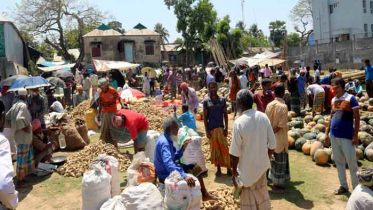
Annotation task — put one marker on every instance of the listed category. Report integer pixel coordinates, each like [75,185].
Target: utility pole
[243,10]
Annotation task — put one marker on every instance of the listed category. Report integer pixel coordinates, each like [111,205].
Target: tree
[48,19]
[277,31]
[293,40]
[164,36]
[179,41]
[301,16]
[251,41]
[255,31]
[116,25]
[241,25]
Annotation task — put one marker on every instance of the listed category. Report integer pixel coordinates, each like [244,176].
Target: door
[128,52]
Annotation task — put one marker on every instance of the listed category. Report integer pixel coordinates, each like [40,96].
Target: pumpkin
[293,114]
[365,107]
[303,131]
[362,123]
[299,143]
[306,149]
[359,154]
[315,146]
[317,117]
[198,117]
[370,101]
[310,136]
[369,154]
[370,108]
[311,124]
[303,113]
[321,121]
[367,128]
[319,128]
[370,122]
[321,157]
[361,105]
[308,119]
[291,142]
[329,152]
[321,138]
[361,147]
[365,138]
[298,124]
[365,118]
[294,134]
[289,116]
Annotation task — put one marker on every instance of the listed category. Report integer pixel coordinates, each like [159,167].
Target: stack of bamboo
[218,54]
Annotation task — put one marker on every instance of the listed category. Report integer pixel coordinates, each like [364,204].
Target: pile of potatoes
[154,115]
[225,200]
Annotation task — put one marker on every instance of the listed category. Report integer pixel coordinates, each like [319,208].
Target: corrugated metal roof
[171,47]
[98,32]
[143,32]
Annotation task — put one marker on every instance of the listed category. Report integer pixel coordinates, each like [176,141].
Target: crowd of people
[259,146]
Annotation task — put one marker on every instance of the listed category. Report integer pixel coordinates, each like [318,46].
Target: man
[369,78]
[308,74]
[19,119]
[342,131]
[243,80]
[166,157]
[173,83]
[216,124]
[79,96]
[37,106]
[316,94]
[301,80]
[42,148]
[329,95]
[362,196]
[265,97]
[94,83]
[8,194]
[107,109]
[210,77]
[218,76]
[267,71]
[252,146]
[317,76]
[136,123]
[277,112]
[189,97]
[7,98]
[187,118]
[86,83]
[179,81]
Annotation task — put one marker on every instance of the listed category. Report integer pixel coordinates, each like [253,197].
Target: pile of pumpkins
[365,103]
[307,134]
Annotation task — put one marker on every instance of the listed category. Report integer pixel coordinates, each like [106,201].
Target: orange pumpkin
[321,157]
[306,148]
[311,124]
[370,108]
[291,142]
[198,117]
[315,146]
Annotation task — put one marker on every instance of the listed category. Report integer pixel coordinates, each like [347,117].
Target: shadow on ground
[293,195]
[32,180]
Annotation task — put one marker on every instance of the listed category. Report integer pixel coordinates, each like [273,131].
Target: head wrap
[183,85]
[365,176]
[22,92]
[36,124]
[102,82]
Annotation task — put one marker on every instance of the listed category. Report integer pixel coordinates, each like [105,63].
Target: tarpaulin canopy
[55,68]
[271,62]
[257,59]
[102,65]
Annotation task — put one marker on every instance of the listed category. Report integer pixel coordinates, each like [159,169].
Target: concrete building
[12,56]
[342,20]
[138,45]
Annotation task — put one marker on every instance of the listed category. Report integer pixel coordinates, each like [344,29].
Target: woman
[235,87]
[294,95]
[146,84]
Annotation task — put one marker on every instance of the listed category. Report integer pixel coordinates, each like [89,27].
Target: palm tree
[164,36]
[241,25]
[255,31]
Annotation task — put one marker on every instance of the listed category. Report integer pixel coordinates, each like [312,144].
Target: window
[172,57]
[331,9]
[371,7]
[96,51]
[365,6]
[366,30]
[149,48]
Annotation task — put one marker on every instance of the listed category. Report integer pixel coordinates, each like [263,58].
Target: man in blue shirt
[210,77]
[166,155]
[369,78]
[301,80]
[187,118]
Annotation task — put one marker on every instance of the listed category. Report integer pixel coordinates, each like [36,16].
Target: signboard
[2,41]
[311,39]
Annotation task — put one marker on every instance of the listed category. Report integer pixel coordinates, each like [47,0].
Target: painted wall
[13,45]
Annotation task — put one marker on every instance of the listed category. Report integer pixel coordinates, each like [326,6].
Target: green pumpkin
[365,138]
[303,113]
[308,118]
[294,134]
[310,136]
[299,143]
[298,124]
[317,117]
[365,118]
[361,147]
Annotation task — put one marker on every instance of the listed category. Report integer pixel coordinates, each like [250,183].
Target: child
[187,118]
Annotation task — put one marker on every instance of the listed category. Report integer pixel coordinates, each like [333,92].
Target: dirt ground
[311,187]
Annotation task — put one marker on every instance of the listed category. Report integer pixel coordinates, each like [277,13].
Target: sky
[150,12]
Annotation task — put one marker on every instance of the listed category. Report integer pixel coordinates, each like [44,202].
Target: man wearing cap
[37,106]
[107,109]
[189,97]
[362,196]
[79,96]
[19,119]
[136,123]
[265,97]
[42,150]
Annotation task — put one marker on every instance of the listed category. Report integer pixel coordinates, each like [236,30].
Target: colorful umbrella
[63,74]
[131,93]
[29,83]
[9,81]
[151,72]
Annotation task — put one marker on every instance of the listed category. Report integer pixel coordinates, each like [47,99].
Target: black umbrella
[57,82]
[9,81]
[63,74]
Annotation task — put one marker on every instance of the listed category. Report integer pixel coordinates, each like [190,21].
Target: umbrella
[131,93]
[29,83]
[57,82]
[9,81]
[151,72]
[63,74]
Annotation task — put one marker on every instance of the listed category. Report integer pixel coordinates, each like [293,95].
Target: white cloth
[243,80]
[57,107]
[8,194]
[94,79]
[317,74]
[146,85]
[252,137]
[360,199]
[315,89]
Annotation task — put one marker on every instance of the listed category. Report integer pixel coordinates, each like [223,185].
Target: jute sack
[72,137]
[83,131]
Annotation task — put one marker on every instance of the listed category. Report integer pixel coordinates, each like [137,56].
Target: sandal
[340,191]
